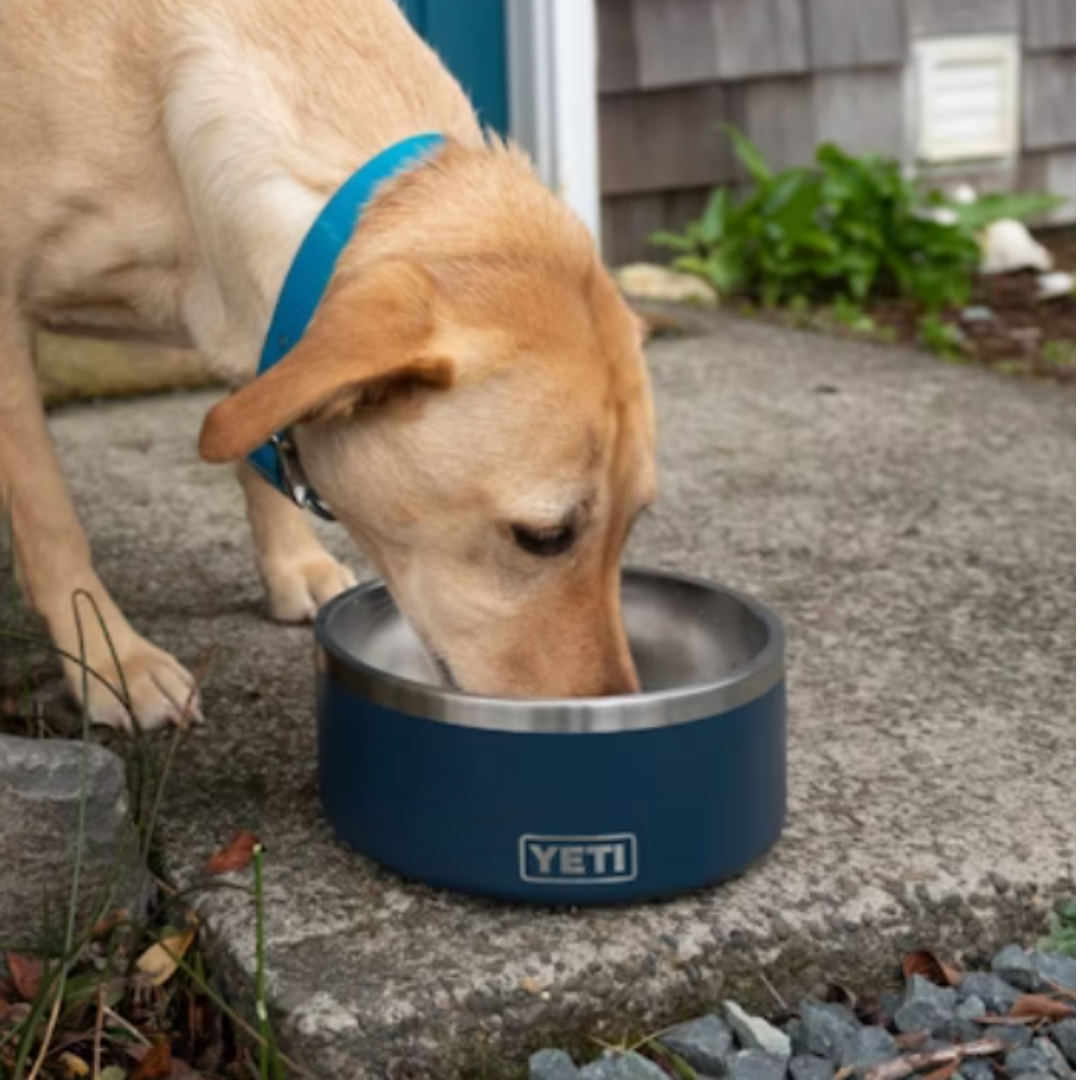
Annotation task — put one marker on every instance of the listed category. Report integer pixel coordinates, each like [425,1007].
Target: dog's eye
[544,542]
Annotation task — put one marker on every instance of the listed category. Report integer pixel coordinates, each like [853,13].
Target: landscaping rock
[977,1069]
[1035,1076]
[889,1002]
[926,1007]
[552,1065]
[1014,1036]
[971,1008]
[754,1033]
[704,1044]
[810,1067]
[41,786]
[868,1046]
[622,1067]
[826,1028]
[755,1065]
[1064,1035]
[1055,969]
[996,994]
[1059,1066]
[1026,1059]
[1033,971]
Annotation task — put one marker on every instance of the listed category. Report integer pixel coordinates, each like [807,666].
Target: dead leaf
[942,1073]
[113,1072]
[235,855]
[74,1066]
[156,1064]
[26,974]
[161,960]
[1041,1007]
[930,966]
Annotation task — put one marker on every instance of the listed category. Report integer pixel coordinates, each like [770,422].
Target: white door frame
[552,62]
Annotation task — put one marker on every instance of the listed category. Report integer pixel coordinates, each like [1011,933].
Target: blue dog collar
[305,285]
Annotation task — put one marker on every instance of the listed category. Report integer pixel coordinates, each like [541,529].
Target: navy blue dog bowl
[583,801]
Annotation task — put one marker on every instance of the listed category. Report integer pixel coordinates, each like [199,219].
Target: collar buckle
[293,481]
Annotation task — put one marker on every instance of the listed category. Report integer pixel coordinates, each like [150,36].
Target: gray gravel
[704,1044]
[926,1007]
[825,1037]
[755,1065]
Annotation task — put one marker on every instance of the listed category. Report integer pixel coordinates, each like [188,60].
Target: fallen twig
[910,1063]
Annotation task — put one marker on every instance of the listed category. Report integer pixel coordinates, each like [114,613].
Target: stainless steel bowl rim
[649,709]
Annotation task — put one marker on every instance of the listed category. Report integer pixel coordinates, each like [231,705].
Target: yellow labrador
[470,399]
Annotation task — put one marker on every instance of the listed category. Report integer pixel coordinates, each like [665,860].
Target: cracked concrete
[913,524]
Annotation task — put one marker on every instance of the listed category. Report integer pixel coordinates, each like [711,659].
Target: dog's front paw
[298,588]
[155,690]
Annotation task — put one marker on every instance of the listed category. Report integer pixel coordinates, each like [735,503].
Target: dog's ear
[365,345]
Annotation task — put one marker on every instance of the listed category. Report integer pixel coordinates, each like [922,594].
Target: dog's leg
[53,558]
[298,574]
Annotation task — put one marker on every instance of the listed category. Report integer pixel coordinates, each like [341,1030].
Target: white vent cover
[966,93]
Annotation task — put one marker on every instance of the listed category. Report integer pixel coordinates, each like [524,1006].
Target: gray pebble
[552,1065]
[826,1027]
[926,1007]
[1055,1059]
[1035,1076]
[868,1046]
[1013,1036]
[996,994]
[1034,971]
[704,1044]
[1026,1059]
[755,1065]
[1064,1034]
[890,1001]
[977,1068]
[622,1067]
[1014,965]
[1055,968]
[971,1008]
[810,1067]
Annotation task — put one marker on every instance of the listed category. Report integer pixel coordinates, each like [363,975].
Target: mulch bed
[1024,336]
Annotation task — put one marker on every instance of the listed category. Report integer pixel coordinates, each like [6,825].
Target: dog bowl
[579,801]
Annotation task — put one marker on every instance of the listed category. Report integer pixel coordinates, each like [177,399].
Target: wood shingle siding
[1049,24]
[861,111]
[929,18]
[668,139]
[1049,101]
[760,37]
[617,47]
[679,42]
[847,35]
[793,74]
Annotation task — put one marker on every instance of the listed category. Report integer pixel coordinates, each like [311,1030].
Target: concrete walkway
[914,525]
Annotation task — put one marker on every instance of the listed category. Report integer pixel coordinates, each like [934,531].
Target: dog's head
[472,403]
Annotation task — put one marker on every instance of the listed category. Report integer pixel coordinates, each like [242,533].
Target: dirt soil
[1024,335]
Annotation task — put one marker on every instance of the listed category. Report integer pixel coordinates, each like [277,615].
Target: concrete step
[912,522]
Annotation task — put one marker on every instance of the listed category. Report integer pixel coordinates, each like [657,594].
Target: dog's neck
[258,161]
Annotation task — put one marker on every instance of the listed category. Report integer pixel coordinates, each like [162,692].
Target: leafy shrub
[854,227]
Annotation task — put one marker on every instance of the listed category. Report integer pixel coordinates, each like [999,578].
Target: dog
[470,400]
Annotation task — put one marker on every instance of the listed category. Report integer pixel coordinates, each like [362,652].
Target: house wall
[793,74]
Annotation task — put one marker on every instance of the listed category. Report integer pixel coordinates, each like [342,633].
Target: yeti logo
[578,860]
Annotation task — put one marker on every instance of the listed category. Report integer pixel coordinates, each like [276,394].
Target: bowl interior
[682,632]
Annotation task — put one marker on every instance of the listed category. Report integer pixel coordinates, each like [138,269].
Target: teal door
[471,39]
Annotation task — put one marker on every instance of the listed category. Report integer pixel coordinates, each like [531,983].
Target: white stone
[754,1033]
[1007,245]
[648,281]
